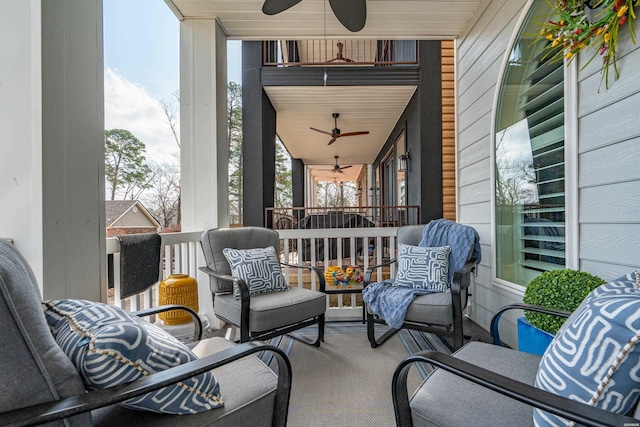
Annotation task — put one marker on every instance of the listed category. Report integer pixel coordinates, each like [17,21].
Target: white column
[21,129]
[204,150]
[52,143]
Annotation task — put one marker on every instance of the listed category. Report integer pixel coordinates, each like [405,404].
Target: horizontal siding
[480,54]
[448,134]
[609,155]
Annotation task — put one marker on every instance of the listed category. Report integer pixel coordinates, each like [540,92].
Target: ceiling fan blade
[364,132]
[273,7]
[351,13]
[344,167]
[322,131]
[332,140]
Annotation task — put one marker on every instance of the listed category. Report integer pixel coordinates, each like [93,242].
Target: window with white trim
[529,159]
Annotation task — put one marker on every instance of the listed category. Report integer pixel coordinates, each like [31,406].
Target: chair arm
[323,282]
[197,323]
[461,278]
[244,289]
[495,334]
[64,408]
[581,413]
[367,274]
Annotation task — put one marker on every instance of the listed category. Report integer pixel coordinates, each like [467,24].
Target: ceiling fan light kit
[351,13]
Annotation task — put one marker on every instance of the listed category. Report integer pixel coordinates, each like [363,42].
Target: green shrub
[559,289]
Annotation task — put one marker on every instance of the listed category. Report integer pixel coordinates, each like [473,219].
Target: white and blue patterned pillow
[109,346]
[259,268]
[423,268]
[595,357]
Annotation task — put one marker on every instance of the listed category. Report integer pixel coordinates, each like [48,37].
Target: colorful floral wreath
[588,23]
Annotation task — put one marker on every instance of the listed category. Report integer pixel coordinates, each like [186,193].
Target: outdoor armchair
[273,311]
[490,384]
[438,312]
[39,383]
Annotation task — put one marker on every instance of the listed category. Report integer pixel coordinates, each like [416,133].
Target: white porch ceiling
[375,109]
[396,19]
[362,108]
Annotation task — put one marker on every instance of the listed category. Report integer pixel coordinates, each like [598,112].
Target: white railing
[323,247]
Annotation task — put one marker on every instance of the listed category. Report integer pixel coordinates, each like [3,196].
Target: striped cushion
[595,357]
[109,346]
[259,268]
[423,268]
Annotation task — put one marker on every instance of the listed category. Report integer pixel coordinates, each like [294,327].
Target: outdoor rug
[345,382]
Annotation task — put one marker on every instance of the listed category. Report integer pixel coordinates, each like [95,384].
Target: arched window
[529,159]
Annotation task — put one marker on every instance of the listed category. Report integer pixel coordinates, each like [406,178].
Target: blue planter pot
[532,339]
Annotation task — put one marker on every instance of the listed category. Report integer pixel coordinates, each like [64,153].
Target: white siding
[608,172]
[480,56]
[608,147]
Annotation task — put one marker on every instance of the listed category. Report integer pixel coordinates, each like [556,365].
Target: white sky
[141,60]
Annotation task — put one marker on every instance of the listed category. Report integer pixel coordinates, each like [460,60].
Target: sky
[141,66]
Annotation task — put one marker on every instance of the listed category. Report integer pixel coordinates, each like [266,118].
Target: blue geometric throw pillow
[259,268]
[595,357]
[423,268]
[109,346]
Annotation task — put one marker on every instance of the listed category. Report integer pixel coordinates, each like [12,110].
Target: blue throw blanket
[462,239]
[392,302]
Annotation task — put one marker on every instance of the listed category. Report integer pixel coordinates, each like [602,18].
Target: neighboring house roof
[116,210]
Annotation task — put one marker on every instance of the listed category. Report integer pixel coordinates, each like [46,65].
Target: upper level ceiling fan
[335,133]
[336,168]
[351,13]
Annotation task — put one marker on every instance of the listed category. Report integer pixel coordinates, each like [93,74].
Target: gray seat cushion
[274,310]
[35,369]
[249,398]
[445,399]
[432,308]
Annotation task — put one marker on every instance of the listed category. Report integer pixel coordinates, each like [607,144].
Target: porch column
[258,139]
[298,184]
[204,151]
[72,163]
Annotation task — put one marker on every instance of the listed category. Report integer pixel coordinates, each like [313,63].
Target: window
[529,160]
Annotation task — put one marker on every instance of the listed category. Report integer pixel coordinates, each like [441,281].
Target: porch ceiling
[375,109]
[396,19]
[372,108]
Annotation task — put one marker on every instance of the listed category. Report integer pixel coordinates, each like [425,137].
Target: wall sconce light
[403,164]
[359,191]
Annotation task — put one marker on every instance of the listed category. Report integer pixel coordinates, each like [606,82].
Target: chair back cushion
[594,357]
[214,241]
[35,369]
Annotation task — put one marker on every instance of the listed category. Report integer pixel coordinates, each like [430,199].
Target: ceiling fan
[335,133]
[351,13]
[336,168]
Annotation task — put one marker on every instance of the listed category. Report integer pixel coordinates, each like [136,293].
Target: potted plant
[559,289]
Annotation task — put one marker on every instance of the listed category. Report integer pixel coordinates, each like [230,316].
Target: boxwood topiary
[559,289]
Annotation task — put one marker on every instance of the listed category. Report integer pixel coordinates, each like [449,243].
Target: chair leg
[308,341]
[371,332]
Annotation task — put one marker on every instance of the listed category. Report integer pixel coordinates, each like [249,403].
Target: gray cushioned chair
[260,316]
[486,385]
[439,313]
[39,384]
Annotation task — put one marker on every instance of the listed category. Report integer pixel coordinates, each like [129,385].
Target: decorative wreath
[588,23]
